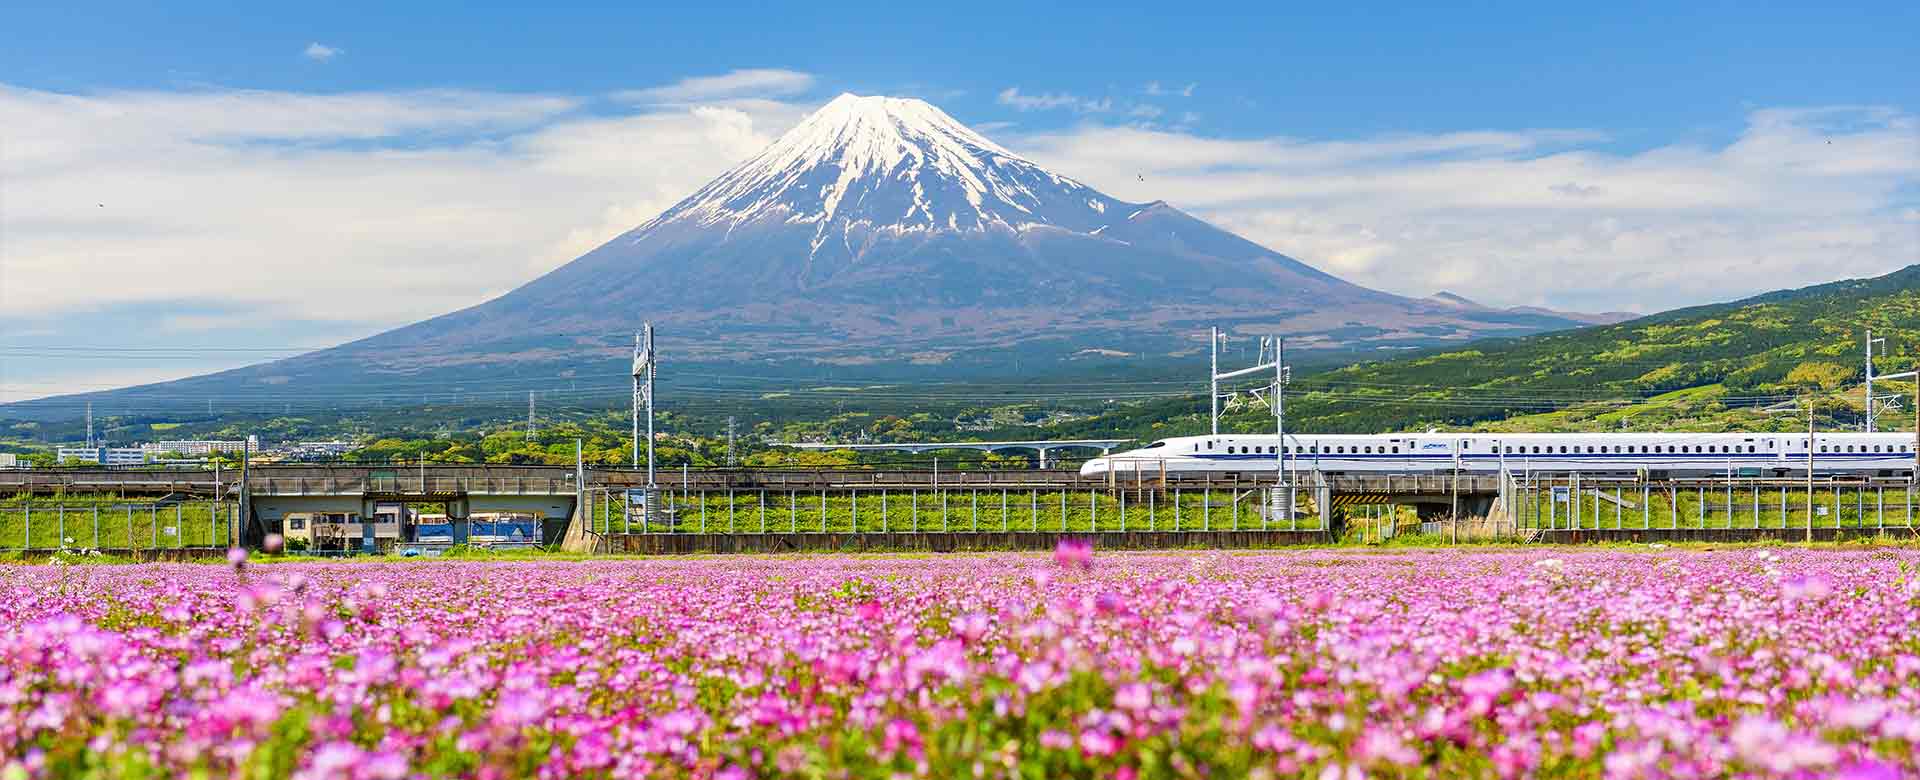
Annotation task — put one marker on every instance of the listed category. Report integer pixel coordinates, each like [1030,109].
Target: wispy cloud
[1155,89]
[1012,96]
[752,82]
[1543,216]
[293,200]
[320,52]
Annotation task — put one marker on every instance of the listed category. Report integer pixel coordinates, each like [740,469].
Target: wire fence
[939,509]
[114,527]
[1576,502]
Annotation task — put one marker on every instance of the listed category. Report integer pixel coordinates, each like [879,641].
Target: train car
[1656,455]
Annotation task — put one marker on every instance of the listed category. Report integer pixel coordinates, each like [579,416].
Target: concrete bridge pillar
[457,519]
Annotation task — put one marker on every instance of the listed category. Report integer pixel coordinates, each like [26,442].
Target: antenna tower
[730,439]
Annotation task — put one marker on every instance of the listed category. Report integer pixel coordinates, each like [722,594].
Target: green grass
[101,523]
[1748,508]
[774,511]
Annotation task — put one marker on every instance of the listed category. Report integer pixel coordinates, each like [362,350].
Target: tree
[1820,374]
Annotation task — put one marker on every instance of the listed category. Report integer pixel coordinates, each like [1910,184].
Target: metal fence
[938,509]
[180,525]
[1577,502]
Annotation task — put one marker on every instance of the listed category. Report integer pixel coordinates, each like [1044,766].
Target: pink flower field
[1550,663]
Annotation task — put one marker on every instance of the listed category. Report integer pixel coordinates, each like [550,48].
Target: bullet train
[1652,454]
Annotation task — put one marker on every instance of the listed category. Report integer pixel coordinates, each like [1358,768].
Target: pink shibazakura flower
[1607,664]
[1074,554]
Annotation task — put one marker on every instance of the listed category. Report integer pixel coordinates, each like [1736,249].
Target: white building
[105,456]
[9,460]
[201,447]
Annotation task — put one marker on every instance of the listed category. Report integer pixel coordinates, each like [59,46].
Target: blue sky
[204,175]
[1647,72]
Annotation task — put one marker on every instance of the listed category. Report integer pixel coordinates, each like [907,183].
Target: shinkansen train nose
[1094,468]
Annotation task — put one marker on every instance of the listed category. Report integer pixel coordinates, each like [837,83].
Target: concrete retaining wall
[684,544]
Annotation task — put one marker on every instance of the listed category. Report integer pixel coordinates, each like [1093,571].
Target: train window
[1396,449]
[1823,448]
[1563,448]
[1369,449]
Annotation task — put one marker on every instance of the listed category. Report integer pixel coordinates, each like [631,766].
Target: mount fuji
[882,231]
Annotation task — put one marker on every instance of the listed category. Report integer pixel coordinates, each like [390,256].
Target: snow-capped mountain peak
[872,163]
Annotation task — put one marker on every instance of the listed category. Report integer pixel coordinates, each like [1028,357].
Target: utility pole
[643,375]
[1281,373]
[532,432]
[89,425]
[1869,424]
[1810,469]
[1213,382]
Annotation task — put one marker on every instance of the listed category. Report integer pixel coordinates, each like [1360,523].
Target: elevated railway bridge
[603,508]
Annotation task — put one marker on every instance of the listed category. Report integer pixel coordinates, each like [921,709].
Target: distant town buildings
[104,456]
[9,460]
[319,450]
[190,451]
[201,447]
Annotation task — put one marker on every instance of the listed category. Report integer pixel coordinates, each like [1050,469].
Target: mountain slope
[1697,362]
[1603,318]
[880,231]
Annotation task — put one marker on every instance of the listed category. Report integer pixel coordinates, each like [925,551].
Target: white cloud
[308,206]
[1012,96]
[320,52]
[1155,89]
[358,212]
[751,82]
[1543,216]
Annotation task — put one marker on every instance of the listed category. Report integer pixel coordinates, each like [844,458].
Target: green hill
[1702,368]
